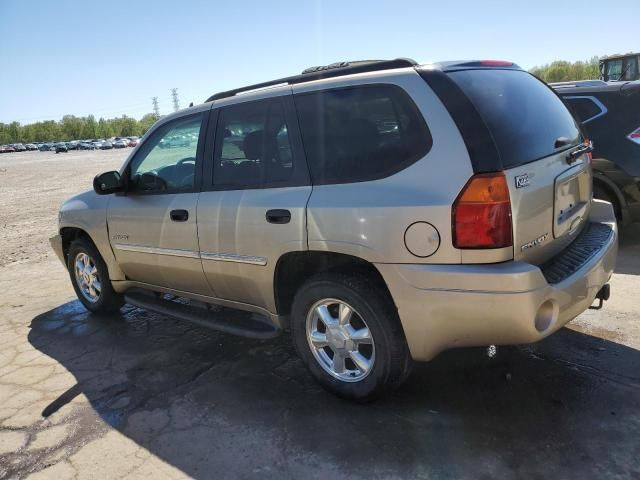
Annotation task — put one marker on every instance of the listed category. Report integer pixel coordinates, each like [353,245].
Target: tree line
[75,128]
[561,71]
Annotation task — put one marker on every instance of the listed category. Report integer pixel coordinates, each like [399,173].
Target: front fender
[88,212]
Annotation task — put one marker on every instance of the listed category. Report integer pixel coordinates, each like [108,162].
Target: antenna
[174,96]
[156,109]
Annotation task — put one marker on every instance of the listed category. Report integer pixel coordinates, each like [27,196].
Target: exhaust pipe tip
[605,292]
[602,296]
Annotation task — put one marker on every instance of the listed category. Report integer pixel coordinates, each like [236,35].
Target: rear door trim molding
[234,257]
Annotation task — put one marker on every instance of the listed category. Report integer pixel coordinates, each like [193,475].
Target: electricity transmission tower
[156,109]
[174,96]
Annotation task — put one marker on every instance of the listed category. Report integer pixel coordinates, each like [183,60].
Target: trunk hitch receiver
[602,296]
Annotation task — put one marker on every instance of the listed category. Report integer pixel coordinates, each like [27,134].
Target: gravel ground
[32,187]
[139,395]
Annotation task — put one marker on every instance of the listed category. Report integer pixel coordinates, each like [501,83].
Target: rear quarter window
[524,116]
[584,108]
[360,133]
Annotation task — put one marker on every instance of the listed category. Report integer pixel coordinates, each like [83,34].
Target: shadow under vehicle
[216,405]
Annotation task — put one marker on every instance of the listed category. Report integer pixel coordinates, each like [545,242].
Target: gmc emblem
[522,180]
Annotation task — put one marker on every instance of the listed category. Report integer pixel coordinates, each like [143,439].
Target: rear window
[360,133]
[523,115]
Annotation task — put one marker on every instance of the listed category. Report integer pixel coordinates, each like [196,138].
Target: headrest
[252,145]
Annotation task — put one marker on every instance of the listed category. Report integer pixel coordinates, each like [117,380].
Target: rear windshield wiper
[579,151]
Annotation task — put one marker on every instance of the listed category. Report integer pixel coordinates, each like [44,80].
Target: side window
[167,160]
[584,108]
[253,148]
[360,133]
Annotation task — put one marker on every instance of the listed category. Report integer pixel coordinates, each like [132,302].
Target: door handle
[278,216]
[179,215]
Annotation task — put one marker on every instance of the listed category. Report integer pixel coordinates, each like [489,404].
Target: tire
[385,351]
[98,297]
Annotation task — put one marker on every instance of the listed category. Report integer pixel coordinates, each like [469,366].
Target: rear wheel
[90,278]
[346,330]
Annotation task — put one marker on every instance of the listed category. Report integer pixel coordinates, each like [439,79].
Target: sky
[110,57]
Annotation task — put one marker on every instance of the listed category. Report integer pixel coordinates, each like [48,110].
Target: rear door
[252,208]
[534,134]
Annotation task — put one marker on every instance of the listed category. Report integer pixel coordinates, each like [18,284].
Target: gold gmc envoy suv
[382,211]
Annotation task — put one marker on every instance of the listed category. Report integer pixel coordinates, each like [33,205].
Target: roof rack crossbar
[317,73]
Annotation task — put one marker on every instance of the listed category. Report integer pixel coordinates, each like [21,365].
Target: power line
[156,110]
[174,96]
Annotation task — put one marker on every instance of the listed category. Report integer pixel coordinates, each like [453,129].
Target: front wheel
[347,331]
[90,278]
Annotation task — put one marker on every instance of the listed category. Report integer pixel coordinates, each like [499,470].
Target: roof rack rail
[337,69]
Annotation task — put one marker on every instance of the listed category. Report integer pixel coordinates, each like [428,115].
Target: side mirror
[108,182]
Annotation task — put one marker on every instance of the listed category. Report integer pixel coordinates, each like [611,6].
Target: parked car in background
[5,149]
[175,141]
[382,211]
[120,144]
[106,145]
[610,116]
[72,145]
[133,141]
[19,147]
[61,147]
[31,147]
[86,146]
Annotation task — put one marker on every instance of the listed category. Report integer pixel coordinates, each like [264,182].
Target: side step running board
[230,321]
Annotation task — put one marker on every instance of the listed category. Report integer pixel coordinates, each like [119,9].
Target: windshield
[524,116]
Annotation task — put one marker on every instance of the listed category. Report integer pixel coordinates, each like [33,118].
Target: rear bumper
[446,306]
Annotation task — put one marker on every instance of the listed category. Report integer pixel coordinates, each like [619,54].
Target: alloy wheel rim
[87,278]
[340,340]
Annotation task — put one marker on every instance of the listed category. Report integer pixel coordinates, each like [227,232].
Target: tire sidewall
[372,313]
[106,300]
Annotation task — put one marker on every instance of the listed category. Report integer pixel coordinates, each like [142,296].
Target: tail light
[481,215]
[635,136]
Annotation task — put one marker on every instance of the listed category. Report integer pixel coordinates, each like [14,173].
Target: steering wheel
[151,181]
[187,180]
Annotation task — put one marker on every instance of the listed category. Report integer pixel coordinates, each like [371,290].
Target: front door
[153,227]
[254,209]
